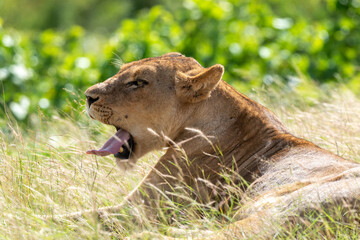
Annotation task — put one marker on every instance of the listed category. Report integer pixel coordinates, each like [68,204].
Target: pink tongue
[113,145]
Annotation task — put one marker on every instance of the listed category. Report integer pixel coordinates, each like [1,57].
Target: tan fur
[184,102]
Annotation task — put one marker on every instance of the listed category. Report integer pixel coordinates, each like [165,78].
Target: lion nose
[91,99]
[94,93]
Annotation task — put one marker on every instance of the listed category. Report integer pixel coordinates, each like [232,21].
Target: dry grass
[45,171]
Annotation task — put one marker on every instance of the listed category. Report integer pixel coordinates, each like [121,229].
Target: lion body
[208,128]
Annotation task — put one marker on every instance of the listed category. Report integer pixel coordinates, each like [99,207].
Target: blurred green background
[51,51]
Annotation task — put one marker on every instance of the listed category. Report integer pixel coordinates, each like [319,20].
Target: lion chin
[209,129]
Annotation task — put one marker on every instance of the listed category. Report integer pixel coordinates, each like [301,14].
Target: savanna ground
[45,171]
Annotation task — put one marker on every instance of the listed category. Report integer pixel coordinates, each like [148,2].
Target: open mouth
[121,145]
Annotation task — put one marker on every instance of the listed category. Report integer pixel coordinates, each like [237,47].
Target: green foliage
[39,69]
[250,40]
[44,14]
[260,43]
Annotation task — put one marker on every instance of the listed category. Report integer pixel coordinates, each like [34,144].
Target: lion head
[153,95]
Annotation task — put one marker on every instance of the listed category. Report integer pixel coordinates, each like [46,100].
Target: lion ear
[197,88]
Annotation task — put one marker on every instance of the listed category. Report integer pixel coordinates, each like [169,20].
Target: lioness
[208,129]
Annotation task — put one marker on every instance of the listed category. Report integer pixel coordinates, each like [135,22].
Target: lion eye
[137,83]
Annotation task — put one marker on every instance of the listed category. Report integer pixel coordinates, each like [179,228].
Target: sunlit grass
[45,171]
